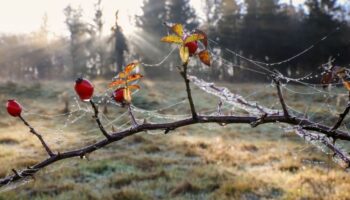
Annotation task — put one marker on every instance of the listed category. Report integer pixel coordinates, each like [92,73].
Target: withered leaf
[117,83]
[134,77]
[172,39]
[204,56]
[130,67]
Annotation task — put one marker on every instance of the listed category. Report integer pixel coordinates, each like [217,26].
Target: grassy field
[196,162]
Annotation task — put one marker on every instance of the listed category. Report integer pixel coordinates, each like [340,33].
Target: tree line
[268,31]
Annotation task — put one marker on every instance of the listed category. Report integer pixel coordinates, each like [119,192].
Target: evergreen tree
[154,14]
[78,38]
[120,45]
[259,25]
[212,11]
[320,22]
[99,44]
[229,23]
[322,8]
[148,46]
[228,29]
[98,21]
[180,11]
[43,62]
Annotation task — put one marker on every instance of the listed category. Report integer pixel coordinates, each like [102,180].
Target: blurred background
[46,44]
[95,38]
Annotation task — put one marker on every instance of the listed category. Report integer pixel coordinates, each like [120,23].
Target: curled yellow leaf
[121,75]
[194,37]
[346,85]
[172,39]
[204,56]
[134,77]
[117,83]
[130,67]
[134,87]
[184,54]
[178,29]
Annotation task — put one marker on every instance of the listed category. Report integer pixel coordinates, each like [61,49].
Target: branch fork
[258,121]
[132,117]
[34,132]
[98,121]
[280,96]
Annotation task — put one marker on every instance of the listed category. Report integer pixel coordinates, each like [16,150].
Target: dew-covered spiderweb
[153,104]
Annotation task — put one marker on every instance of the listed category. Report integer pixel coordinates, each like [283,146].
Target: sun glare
[17,16]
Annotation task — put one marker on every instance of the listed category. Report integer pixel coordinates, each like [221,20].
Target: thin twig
[259,121]
[133,120]
[330,145]
[33,131]
[16,173]
[219,108]
[280,96]
[103,130]
[188,90]
[342,116]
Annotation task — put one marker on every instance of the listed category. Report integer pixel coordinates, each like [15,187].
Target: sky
[24,16]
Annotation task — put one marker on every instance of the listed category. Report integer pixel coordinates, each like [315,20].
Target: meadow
[210,161]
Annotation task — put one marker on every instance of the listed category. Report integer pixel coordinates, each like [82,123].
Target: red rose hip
[84,89]
[13,108]
[192,47]
[118,95]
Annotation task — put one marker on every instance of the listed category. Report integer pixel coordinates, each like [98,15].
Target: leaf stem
[188,90]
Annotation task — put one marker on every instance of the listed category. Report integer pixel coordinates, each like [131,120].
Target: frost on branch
[237,101]
[325,143]
[319,140]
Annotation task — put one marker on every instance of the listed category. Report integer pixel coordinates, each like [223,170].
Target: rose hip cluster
[85,90]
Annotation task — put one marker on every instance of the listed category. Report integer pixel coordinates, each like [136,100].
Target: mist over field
[86,41]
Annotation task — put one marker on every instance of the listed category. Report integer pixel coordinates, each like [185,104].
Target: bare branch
[231,98]
[103,130]
[342,116]
[267,116]
[171,126]
[133,120]
[16,173]
[326,141]
[280,96]
[33,131]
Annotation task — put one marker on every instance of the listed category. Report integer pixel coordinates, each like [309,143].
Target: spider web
[81,111]
[238,101]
